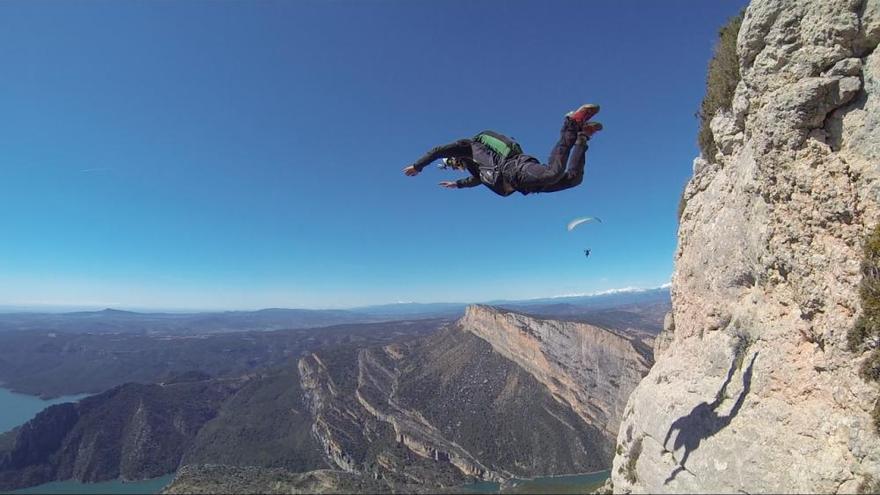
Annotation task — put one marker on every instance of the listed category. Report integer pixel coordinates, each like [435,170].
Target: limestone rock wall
[753,389]
[589,368]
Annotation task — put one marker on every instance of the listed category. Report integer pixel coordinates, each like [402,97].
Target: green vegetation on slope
[635,451]
[264,424]
[682,202]
[721,81]
[51,365]
[866,332]
[133,431]
[868,485]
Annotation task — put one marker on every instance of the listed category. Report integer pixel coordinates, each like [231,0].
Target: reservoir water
[575,483]
[146,487]
[17,409]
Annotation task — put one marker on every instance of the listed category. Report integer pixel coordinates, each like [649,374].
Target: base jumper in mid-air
[499,163]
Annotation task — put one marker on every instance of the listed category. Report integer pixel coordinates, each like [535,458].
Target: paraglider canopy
[581,220]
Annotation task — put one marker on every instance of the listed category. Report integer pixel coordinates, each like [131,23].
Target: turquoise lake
[575,483]
[17,409]
[146,487]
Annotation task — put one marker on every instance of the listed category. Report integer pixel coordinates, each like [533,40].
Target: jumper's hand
[449,184]
[411,171]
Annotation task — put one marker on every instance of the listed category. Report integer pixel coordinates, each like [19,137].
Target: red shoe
[584,113]
[591,128]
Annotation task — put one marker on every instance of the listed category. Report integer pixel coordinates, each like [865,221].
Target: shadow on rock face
[704,421]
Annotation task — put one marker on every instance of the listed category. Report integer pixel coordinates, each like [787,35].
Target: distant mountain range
[598,300]
[117,321]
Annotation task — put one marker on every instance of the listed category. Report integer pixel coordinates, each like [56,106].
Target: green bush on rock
[721,80]
[866,332]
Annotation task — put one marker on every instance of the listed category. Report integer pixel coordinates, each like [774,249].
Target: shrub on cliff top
[866,332]
[721,80]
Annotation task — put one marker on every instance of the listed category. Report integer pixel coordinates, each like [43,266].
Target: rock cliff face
[753,389]
[591,369]
[452,407]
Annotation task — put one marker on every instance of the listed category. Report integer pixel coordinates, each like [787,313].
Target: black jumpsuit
[521,172]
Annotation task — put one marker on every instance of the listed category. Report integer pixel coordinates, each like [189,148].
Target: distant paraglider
[582,220]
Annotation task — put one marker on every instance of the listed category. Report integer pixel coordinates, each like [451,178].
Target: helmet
[452,162]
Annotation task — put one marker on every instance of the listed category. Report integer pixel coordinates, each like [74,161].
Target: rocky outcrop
[589,368]
[336,427]
[753,389]
[353,437]
[378,382]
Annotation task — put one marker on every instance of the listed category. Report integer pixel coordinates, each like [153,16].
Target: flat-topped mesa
[590,368]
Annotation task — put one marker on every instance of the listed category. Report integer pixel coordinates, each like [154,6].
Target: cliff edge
[753,388]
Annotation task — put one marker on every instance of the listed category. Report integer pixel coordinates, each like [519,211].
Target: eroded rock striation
[591,369]
[753,389]
[477,400]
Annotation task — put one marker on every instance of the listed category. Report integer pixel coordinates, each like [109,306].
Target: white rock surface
[767,271]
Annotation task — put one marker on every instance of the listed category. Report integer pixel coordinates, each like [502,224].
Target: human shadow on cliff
[704,421]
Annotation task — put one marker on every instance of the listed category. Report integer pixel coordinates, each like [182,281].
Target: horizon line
[61,308]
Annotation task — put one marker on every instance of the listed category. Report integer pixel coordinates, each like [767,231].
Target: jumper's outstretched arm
[460,148]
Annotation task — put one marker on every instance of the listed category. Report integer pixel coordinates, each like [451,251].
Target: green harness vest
[499,143]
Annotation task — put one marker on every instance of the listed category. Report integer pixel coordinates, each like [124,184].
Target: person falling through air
[498,162]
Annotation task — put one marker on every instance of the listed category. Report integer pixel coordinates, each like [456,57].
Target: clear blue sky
[248,154]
